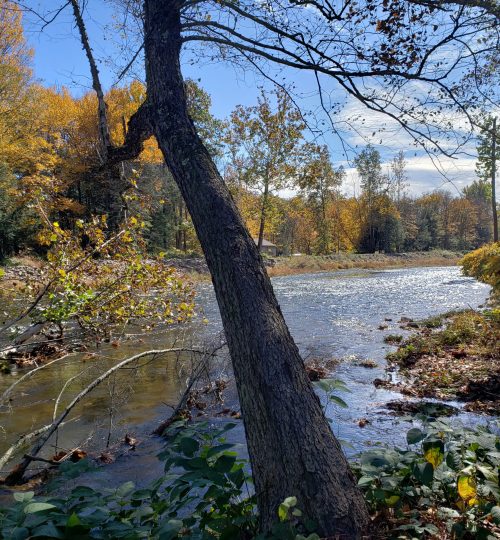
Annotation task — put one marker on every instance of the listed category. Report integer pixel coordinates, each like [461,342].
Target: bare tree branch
[18,473]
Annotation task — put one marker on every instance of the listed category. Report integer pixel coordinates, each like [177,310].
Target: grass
[344,261]
[393,339]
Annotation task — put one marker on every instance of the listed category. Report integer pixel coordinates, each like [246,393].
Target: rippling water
[329,314]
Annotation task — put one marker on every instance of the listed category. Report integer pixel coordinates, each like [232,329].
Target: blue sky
[59,60]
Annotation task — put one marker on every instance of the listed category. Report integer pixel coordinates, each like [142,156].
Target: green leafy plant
[205,494]
[444,485]
[330,387]
[393,339]
[105,282]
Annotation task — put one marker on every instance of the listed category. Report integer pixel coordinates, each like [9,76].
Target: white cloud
[425,176]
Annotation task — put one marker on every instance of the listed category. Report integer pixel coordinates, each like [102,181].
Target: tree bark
[292,449]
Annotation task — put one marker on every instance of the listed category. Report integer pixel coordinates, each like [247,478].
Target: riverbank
[305,264]
[455,356]
[18,270]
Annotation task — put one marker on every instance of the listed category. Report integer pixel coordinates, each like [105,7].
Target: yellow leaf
[62,273]
[466,487]
[433,452]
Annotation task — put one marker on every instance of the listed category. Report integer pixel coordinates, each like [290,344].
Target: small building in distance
[267,247]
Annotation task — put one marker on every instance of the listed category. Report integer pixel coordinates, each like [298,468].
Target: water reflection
[329,314]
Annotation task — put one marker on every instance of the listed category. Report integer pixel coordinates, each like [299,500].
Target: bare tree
[401,59]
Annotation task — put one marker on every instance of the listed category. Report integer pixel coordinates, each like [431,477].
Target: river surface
[335,314]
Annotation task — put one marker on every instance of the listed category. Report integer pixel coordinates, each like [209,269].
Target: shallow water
[333,314]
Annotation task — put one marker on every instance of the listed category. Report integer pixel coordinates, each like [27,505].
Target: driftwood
[17,475]
[23,441]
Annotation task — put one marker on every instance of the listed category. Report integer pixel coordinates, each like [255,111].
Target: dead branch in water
[16,476]
[23,441]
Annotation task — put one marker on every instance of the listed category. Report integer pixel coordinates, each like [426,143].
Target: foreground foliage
[99,282]
[443,485]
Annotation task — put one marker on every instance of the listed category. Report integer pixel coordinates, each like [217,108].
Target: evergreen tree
[486,168]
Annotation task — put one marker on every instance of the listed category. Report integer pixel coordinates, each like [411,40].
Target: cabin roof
[265,243]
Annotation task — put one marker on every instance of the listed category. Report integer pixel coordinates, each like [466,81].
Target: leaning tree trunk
[292,449]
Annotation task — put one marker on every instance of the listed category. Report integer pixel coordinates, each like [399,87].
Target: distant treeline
[50,171]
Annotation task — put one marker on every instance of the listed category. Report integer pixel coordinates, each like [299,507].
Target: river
[335,314]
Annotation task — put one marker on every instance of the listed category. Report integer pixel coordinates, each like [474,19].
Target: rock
[380,383]
[371,364]
[429,408]
[130,440]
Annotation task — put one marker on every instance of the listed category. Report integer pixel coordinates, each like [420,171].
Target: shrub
[484,265]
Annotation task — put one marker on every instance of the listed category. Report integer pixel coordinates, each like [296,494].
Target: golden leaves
[467,489]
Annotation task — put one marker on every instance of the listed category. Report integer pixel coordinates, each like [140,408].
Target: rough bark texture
[292,449]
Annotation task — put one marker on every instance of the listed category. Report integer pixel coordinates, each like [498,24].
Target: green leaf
[24,497]
[19,533]
[495,514]
[488,473]
[414,436]
[339,401]
[453,460]
[73,521]
[392,500]
[124,489]
[47,530]
[219,449]
[83,491]
[282,512]
[365,481]
[290,502]
[31,508]
[170,530]
[424,473]
[189,446]
[224,463]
